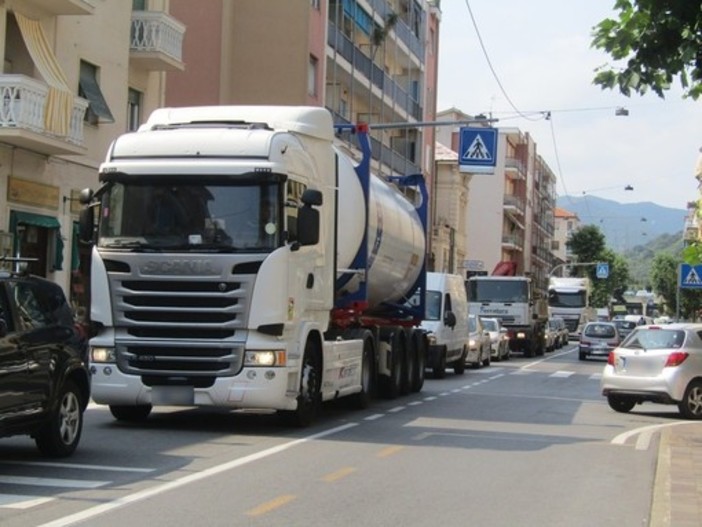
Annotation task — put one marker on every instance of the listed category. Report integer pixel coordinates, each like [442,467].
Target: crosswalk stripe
[19,501]
[562,374]
[52,482]
[76,466]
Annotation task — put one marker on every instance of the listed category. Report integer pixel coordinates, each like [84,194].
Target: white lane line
[625,436]
[190,478]
[373,417]
[595,376]
[53,482]
[396,409]
[562,374]
[430,398]
[18,501]
[76,466]
[415,403]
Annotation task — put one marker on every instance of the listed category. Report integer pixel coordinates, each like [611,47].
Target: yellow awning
[59,105]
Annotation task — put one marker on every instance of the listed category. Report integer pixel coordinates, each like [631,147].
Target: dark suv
[44,379]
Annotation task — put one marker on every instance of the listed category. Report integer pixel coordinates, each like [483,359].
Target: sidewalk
[677,493]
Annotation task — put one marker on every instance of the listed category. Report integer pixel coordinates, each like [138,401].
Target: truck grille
[186,325]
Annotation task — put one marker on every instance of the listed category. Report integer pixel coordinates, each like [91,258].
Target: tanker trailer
[240,260]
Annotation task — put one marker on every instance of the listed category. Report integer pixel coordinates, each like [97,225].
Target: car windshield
[490,325]
[602,331]
[655,338]
[175,215]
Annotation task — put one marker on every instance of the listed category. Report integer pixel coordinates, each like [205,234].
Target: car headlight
[103,355]
[472,343]
[521,335]
[255,358]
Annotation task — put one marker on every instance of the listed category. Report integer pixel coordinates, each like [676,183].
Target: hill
[640,257]
[625,225]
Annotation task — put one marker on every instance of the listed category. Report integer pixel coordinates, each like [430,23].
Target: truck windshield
[561,299]
[190,217]
[498,291]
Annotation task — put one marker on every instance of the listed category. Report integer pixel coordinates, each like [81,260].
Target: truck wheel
[420,345]
[410,364]
[459,367]
[691,405]
[390,385]
[132,414]
[59,437]
[529,350]
[440,366]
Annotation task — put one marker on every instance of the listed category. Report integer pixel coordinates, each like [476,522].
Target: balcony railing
[157,41]
[513,241]
[23,105]
[402,30]
[514,165]
[513,202]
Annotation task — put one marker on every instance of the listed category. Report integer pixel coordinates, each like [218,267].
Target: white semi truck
[241,260]
[569,299]
[513,300]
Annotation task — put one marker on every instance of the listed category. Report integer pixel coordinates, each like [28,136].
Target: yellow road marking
[341,473]
[389,451]
[270,505]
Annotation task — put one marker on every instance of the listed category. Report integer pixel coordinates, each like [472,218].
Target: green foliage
[658,40]
[586,243]
[664,278]
[640,258]
[692,254]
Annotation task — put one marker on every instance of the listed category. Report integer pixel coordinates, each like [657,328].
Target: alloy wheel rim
[69,418]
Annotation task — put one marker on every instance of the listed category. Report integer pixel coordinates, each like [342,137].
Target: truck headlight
[265,358]
[431,339]
[521,335]
[102,355]
[472,343]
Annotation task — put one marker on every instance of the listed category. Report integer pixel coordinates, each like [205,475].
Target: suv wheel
[61,434]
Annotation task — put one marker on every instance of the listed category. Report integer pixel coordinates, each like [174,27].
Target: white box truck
[241,260]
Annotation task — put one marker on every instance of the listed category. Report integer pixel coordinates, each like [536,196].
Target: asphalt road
[526,442]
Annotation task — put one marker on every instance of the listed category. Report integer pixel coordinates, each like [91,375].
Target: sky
[541,53]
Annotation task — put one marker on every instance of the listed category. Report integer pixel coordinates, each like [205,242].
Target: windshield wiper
[195,247]
[139,246]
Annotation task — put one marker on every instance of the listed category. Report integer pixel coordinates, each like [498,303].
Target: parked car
[499,341]
[660,364]
[624,326]
[44,378]
[551,338]
[478,343]
[598,339]
[563,332]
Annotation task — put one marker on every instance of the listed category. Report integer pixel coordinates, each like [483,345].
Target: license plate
[175,395]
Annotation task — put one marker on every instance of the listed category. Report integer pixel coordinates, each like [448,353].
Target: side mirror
[86,225]
[3,328]
[450,319]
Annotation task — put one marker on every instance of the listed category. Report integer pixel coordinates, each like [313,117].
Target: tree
[604,289]
[587,244]
[664,278]
[659,40]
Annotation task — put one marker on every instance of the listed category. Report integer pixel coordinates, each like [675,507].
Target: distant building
[566,223]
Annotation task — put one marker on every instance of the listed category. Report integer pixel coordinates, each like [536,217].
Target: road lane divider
[338,474]
[389,451]
[271,505]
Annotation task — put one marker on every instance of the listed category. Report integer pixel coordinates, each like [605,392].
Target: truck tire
[308,397]
[410,364]
[419,341]
[390,386]
[529,348]
[363,398]
[59,437]
[439,369]
[132,414]
[459,367]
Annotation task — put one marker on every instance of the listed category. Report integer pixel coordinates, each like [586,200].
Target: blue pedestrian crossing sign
[690,276]
[477,150]
[602,270]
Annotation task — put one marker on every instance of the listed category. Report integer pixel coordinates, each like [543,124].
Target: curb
[660,505]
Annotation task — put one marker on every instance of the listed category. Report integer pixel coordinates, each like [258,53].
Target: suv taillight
[610,358]
[676,358]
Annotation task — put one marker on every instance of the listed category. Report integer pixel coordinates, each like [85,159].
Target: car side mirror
[3,328]
[450,319]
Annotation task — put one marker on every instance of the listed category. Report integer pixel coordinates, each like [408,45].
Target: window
[30,313]
[312,76]
[133,109]
[315,4]
[89,89]
[138,5]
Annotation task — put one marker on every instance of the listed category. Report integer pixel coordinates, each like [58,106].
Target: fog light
[251,375]
[269,375]
[107,370]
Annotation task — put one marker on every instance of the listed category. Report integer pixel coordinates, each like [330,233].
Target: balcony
[512,242]
[513,204]
[64,7]
[515,169]
[156,41]
[23,105]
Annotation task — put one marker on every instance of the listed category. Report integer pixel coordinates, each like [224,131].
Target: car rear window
[602,331]
[625,324]
[656,339]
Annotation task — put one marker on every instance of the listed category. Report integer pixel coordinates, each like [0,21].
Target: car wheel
[130,414]
[691,405]
[61,434]
[459,367]
[620,404]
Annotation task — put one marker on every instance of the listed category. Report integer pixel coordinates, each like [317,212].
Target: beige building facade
[76,73]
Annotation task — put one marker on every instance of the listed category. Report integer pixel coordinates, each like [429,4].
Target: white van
[446,323]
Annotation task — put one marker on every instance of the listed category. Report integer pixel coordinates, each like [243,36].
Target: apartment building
[372,61]
[76,73]
[566,223]
[510,212]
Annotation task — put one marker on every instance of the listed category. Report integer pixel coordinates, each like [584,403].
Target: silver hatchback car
[660,364]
